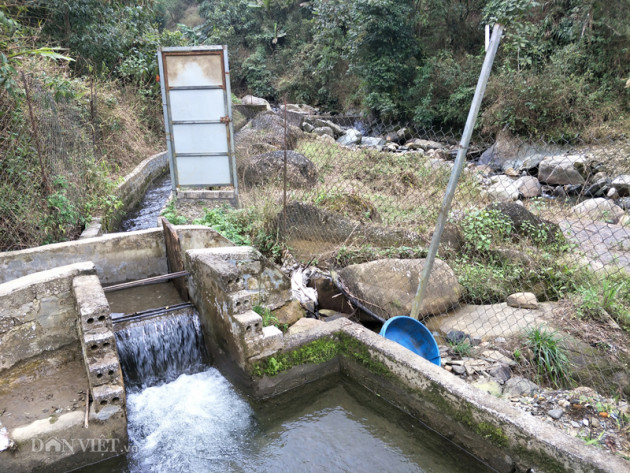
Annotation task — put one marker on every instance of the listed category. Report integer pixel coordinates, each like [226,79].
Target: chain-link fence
[48,169]
[533,266]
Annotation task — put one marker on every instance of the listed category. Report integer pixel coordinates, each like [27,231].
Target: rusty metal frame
[226,119]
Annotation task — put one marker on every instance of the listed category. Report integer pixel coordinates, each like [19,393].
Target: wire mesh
[534,260]
[48,166]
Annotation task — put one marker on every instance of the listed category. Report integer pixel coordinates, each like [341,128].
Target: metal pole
[457,168]
[284,173]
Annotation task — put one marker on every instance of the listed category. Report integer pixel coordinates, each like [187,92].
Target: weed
[226,221]
[549,356]
[170,213]
[267,317]
[485,228]
[462,348]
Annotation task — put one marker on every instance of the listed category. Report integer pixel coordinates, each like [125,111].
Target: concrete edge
[528,440]
[46,276]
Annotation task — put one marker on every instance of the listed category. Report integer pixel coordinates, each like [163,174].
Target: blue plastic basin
[412,335]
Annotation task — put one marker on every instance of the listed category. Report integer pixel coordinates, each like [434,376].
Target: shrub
[549,357]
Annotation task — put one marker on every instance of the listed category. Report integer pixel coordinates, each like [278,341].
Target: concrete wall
[37,313]
[118,257]
[505,438]
[132,189]
[225,284]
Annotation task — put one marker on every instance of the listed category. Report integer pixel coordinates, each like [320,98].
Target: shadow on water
[145,215]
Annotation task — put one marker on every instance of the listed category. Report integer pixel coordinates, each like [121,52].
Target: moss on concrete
[317,352]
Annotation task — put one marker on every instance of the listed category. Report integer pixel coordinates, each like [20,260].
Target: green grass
[549,357]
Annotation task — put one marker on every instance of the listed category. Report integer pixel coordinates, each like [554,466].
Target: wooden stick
[87,407]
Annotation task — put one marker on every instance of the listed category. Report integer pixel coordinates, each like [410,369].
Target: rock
[324,130]
[622,184]
[351,137]
[303,325]
[391,147]
[458,369]
[491,387]
[327,312]
[264,133]
[561,170]
[624,203]
[524,300]
[499,340]
[326,138]
[263,168]
[598,209]
[388,286]
[570,189]
[424,145]
[452,239]
[489,321]
[497,356]
[624,221]
[483,169]
[524,222]
[528,187]
[372,142]
[289,313]
[512,172]
[307,127]
[476,341]
[517,387]
[319,123]
[598,189]
[503,189]
[559,192]
[555,413]
[612,194]
[510,152]
[456,336]
[251,100]
[502,372]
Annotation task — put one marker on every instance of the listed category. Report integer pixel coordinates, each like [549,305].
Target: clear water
[200,423]
[145,215]
[159,349]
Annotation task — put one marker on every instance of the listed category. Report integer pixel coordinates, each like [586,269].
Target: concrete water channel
[78,386]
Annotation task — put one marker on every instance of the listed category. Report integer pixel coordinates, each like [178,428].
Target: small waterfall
[159,349]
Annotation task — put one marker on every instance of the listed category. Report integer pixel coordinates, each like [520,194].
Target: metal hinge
[225,120]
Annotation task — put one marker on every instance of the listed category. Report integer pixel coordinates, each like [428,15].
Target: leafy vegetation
[549,357]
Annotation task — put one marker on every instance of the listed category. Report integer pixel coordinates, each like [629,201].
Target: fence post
[284,174]
[457,169]
[40,156]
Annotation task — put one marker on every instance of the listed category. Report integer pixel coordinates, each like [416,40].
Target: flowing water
[145,215]
[159,349]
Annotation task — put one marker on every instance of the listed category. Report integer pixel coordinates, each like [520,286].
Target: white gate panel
[198,116]
[202,139]
[200,105]
[215,168]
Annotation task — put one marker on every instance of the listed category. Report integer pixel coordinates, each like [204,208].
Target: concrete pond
[59,349]
[82,384]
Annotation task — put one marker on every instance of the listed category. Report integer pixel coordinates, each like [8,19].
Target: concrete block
[107,395]
[91,303]
[99,342]
[103,371]
[242,301]
[250,324]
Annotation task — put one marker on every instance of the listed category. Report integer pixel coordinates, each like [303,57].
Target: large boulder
[622,184]
[251,100]
[598,209]
[270,166]
[525,223]
[510,152]
[319,123]
[263,134]
[564,170]
[387,287]
[503,188]
[528,187]
[351,137]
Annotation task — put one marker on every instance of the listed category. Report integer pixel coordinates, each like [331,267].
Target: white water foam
[197,423]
